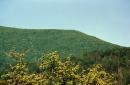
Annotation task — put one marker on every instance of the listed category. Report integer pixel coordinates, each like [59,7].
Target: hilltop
[65,41]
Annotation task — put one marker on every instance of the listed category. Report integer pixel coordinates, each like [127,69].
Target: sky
[108,20]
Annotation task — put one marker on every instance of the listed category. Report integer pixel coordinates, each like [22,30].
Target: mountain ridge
[16,28]
[34,29]
[45,40]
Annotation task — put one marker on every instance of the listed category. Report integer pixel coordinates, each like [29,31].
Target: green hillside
[64,41]
[85,49]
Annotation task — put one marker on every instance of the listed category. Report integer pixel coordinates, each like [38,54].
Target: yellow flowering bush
[96,75]
[55,71]
[18,74]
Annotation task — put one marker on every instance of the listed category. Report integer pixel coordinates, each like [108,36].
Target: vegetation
[86,51]
[63,41]
[54,71]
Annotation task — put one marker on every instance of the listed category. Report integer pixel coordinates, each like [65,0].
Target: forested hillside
[65,41]
[84,49]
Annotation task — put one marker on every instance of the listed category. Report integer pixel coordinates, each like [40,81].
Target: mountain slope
[64,41]
[87,49]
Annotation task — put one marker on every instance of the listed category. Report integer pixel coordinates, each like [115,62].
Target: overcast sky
[106,19]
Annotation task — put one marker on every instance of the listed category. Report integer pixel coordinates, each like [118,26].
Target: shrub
[55,71]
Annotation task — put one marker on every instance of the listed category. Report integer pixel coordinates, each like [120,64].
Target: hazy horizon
[108,20]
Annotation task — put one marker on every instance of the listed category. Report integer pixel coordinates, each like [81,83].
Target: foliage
[97,75]
[64,41]
[55,71]
[87,50]
[18,74]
